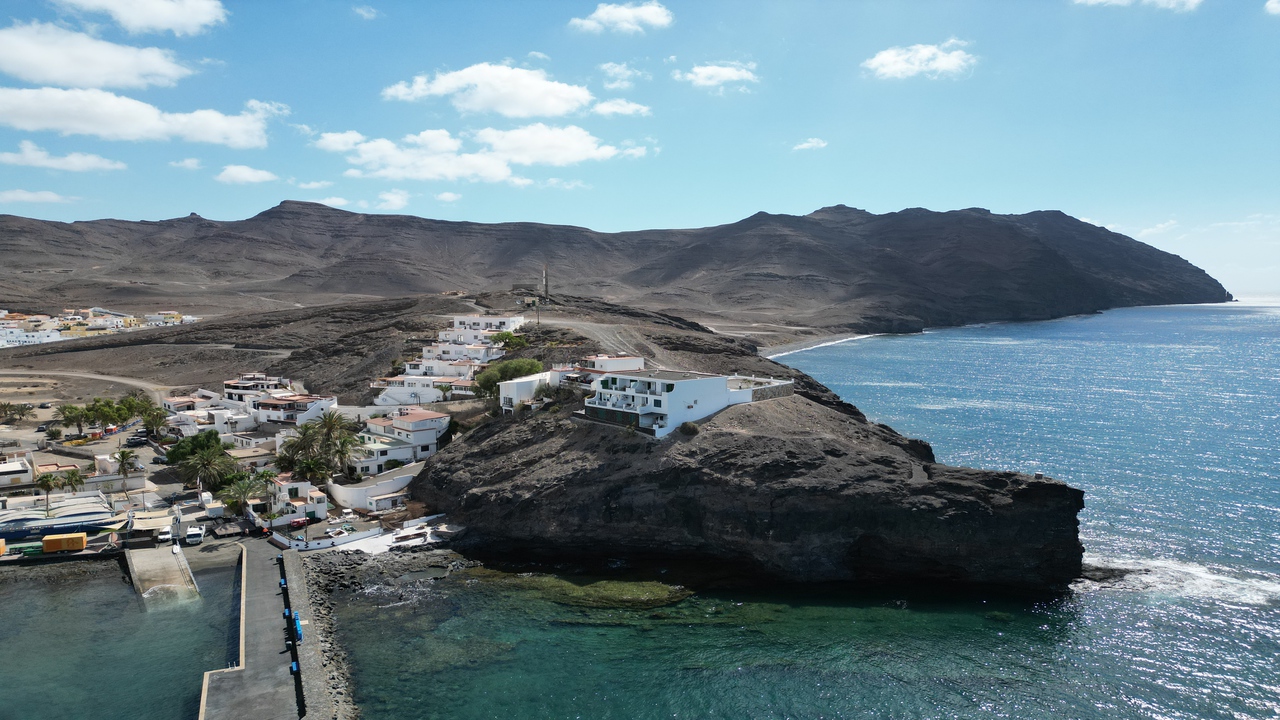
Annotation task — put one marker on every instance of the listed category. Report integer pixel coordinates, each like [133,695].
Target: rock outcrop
[786,489]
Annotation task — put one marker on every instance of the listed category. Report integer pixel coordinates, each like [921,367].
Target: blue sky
[1157,118]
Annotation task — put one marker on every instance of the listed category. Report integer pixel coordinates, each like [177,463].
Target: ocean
[1168,418]
[76,642]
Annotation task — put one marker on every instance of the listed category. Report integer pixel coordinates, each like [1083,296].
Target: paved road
[157,392]
[264,688]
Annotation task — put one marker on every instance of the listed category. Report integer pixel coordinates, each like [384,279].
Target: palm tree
[71,415]
[72,480]
[238,493]
[126,458]
[6,409]
[208,466]
[53,434]
[313,470]
[153,419]
[345,451]
[306,444]
[47,483]
[334,425]
[22,411]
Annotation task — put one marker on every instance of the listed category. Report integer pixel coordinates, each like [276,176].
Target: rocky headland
[786,489]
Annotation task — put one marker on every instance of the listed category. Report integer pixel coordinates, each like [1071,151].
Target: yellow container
[3,547]
[71,542]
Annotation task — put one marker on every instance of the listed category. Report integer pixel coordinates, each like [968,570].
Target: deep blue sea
[1168,418]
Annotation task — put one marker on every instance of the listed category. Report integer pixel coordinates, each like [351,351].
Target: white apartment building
[292,500]
[251,385]
[410,389]
[655,402]
[460,351]
[407,435]
[290,408]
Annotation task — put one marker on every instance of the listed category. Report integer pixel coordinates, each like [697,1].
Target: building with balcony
[655,402]
[406,436]
[290,408]
[288,500]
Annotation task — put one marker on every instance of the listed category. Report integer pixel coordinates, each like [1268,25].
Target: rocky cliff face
[786,488]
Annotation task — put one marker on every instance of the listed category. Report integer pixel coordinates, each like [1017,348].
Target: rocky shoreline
[353,571]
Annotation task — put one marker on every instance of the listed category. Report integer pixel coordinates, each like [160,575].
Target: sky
[1159,119]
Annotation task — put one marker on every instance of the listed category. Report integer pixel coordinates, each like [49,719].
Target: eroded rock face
[787,488]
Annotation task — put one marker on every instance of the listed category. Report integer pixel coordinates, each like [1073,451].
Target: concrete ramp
[161,575]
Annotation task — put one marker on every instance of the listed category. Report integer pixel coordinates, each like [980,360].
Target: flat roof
[674,375]
[416,415]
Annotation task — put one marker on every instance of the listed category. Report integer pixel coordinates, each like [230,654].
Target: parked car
[165,535]
[42,428]
[141,431]
[160,460]
[45,406]
[135,442]
[195,534]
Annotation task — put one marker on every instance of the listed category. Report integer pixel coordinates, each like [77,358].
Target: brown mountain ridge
[838,269]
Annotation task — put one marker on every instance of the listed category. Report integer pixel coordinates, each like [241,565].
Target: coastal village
[268,464]
[259,458]
[37,328]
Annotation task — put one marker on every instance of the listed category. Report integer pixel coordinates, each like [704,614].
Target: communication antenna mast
[546,288]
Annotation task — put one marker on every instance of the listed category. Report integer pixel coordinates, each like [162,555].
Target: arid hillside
[838,269]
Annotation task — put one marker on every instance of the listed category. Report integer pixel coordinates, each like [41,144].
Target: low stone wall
[772,391]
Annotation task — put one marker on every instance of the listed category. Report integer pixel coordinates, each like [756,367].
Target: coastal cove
[1165,416]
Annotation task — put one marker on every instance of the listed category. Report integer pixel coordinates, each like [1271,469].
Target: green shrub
[689,428]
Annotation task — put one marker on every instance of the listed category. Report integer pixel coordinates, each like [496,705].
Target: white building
[519,391]
[17,471]
[250,385]
[656,402]
[410,389]
[290,408]
[612,363]
[405,436]
[460,351]
[376,493]
[291,500]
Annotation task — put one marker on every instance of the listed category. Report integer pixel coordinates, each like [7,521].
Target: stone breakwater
[354,572]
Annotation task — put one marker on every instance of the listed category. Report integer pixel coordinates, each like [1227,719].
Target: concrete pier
[159,574]
[265,684]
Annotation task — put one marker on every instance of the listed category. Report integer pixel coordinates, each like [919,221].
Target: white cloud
[811,144]
[629,18]
[335,202]
[181,17]
[317,185]
[28,196]
[931,60]
[1158,229]
[30,155]
[559,184]
[243,174]
[1273,7]
[448,197]
[635,152]
[393,200]
[539,55]
[50,55]
[717,75]
[368,12]
[618,106]
[486,87]
[620,75]
[1175,5]
[187,164]
[540,144]
[114,117]
[437,155]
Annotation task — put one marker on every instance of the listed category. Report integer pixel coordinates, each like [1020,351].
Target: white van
[195,534]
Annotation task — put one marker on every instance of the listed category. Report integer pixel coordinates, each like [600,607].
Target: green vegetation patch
[594,593]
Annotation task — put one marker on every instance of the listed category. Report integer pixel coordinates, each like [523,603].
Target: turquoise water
[1169,418]
[84,647]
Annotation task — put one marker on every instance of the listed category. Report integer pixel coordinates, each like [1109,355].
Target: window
[426,448]
[657,403]
[671,387]
[382,453]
